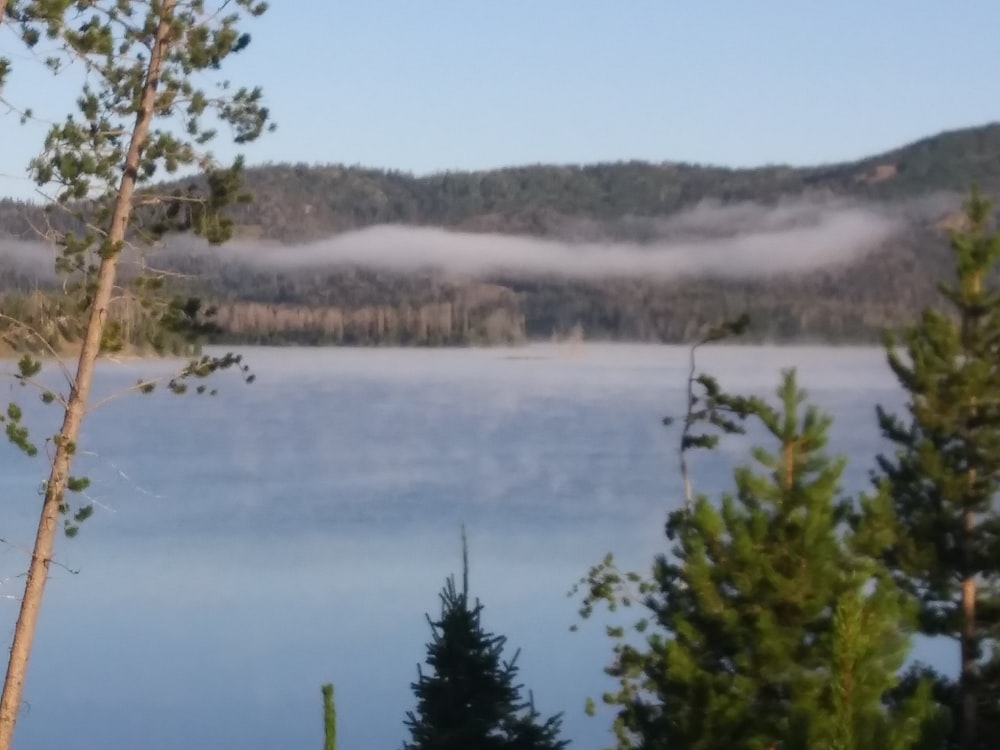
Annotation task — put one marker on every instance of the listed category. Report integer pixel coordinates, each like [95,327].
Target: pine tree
[140,113]
[470,700]
[871,628]
[764,628]
[945,472]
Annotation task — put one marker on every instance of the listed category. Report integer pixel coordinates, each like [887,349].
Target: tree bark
[41,556]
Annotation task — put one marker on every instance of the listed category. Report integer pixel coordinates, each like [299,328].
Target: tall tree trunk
[48,522]
[967,681]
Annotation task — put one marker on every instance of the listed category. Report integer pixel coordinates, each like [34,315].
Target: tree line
[337,306]
[292,204]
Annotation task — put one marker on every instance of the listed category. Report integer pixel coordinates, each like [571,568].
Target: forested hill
[606,202]
[296,203]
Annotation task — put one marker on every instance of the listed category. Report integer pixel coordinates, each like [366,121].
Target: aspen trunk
[48,523]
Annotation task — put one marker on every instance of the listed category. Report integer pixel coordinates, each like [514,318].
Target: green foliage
[17,432]
[143,111]
[89,151]
[206,366]
[86,156]
[208,217]
[867,652]
[470,698]
[764,625]
[942,522]
[13,420]
[329,718]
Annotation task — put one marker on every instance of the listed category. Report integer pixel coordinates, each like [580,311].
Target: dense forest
[295,204]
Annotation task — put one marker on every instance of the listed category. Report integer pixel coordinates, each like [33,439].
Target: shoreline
[69,356]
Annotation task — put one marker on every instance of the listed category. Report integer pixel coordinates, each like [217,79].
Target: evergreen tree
[764,629]
[148,106]
[945,471]
[470,700]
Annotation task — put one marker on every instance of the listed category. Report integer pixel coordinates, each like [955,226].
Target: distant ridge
[299,202]
[620,201]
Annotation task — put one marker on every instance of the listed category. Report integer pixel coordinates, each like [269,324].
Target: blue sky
[456,84]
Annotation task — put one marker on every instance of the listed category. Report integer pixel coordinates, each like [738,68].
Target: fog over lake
[251,546]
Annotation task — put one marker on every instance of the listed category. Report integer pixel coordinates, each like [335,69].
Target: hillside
[620,202]
[295,203]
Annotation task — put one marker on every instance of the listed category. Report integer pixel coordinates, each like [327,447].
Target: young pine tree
[764,629]
[470,700]
[943,477]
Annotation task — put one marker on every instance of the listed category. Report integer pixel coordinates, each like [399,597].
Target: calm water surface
[251,546]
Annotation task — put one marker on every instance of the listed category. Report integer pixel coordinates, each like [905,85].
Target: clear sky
[429,85]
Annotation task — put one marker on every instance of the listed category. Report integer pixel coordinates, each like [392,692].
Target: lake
[251,546]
